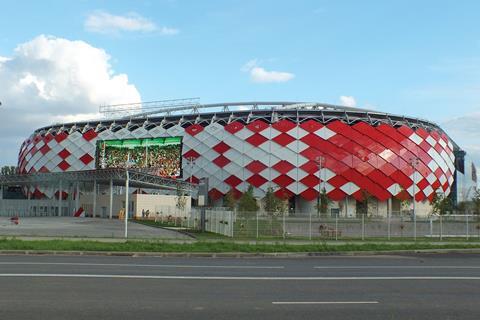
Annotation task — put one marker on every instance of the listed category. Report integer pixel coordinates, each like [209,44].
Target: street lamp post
[414,162]
[319,198]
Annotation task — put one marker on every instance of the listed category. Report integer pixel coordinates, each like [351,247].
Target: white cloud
[348,101]
[51,79]
[465,131]
[106,23]
[260,75]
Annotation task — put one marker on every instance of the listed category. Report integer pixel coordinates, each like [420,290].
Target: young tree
[441,204]
[323,202]
[273,204]
[247,202]
[366,202]
[229,200]
[476,202]
[181,198]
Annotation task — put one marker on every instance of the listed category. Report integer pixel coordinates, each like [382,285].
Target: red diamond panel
[221,161]
[34,150]
[89,135]
[283,166]
[337,181]
[310,167]
[336,195]
[256,166]
[192,179]
[64,165]
[311,153]
[310,181]
[43,170]
[191,154]
[233,181]
[257,126]
[256,139]
[284,125]
[234,127]
[86,158]
[44,149]
[309,194]
[311,125]
[237,194]
[194,129]
[256,180]
[61,136]
[49,137]
[283,193]
[283,139]
[215,194]
[221,147]
[64,154]
[283,180]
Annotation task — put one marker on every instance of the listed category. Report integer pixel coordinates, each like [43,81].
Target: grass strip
[214,247]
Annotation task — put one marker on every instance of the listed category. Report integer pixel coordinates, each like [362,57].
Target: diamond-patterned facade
[358,157]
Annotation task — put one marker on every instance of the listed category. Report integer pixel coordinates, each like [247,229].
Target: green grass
[202,246]
[267,228]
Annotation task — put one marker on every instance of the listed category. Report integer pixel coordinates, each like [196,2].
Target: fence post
[257,224]
[467,227]
[431,227]
[363,226]
[284,229]
[336,226]
[441,228]
[310,227]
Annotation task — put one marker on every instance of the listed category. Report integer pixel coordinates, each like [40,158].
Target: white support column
[60,192]
[111,200]
[94,209]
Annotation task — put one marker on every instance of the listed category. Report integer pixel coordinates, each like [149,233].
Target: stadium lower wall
[358,159]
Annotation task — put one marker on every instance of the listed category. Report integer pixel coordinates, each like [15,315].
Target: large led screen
[162,156]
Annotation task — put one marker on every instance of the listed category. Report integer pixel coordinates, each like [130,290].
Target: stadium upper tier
[270,144]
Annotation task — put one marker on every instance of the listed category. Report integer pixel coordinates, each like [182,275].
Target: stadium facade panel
[350,153]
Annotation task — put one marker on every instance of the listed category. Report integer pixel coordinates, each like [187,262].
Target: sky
[61,60]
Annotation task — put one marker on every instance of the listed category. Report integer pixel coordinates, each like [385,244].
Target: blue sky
[420,58]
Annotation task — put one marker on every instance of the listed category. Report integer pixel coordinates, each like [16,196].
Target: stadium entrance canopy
[115,177]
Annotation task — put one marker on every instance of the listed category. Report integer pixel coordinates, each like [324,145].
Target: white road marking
[396,267]
[137,265]
[127,276]
[324,302]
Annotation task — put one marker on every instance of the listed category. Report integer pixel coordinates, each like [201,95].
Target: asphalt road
[380,287]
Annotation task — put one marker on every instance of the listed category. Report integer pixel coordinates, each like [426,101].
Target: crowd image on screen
[162,160]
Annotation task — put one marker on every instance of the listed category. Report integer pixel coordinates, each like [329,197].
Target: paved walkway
[58,227]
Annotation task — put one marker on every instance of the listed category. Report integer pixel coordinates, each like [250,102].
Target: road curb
[236,254]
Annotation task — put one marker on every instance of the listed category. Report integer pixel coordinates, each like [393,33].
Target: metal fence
[32,208]
[251,225]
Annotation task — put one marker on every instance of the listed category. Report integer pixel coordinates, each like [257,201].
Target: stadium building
[298,149]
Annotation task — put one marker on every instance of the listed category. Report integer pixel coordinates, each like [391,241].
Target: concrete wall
[163,204]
